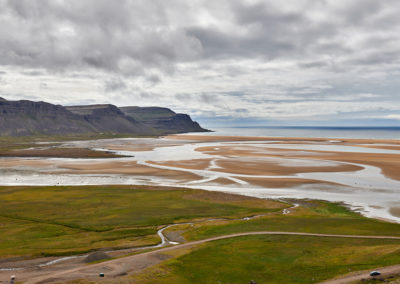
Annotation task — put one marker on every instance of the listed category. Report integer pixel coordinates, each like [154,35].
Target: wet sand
[125,168]
[282,182]
[197,164]
[273,169]
[361,172]
[388,163]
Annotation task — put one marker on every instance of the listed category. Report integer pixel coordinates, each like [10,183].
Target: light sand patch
[196,164]
[222,181]
[388,147]
[282,182]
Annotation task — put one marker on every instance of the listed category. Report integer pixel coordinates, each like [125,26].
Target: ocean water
[312,132]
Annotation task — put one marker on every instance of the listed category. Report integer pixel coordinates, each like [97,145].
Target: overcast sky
[310,62]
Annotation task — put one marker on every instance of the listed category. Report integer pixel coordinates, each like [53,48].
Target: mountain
[110,119]
[25,118]
[163,119]
[22,118]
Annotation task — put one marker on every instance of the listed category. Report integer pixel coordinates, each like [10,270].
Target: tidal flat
[362,173]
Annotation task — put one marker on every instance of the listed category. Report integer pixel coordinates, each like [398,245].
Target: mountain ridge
[28,118]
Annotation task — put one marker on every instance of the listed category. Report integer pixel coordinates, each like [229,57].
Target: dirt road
[357,276]
[136,263]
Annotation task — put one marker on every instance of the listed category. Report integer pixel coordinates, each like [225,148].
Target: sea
[307,131]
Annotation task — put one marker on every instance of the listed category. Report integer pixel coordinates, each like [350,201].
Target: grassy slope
[273,259]
[57,220]
[63,220]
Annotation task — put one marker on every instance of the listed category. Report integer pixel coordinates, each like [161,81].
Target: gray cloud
[114,84]
[248,58]
[132,37]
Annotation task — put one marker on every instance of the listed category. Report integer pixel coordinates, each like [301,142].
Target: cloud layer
[287,61]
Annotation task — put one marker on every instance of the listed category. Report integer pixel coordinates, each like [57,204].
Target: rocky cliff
[163,119]
[24,118]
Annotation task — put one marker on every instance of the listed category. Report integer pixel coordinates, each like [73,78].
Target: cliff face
[24,118]
[163,119]
[110,119]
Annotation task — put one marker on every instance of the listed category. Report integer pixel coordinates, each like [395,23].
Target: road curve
[130,264]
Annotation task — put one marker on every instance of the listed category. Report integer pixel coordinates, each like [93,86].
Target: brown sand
[249,151]
[388,163]
[8,163]
[270,168]
[120,167]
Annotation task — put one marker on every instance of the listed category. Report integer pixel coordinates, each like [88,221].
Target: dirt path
[357,276]
[136,263]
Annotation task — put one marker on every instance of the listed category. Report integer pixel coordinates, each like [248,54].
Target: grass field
[37,221]
[311,217]
[272,259]
[65,220]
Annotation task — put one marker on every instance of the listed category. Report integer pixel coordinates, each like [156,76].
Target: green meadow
[63,220]
[66,220]
[272,259]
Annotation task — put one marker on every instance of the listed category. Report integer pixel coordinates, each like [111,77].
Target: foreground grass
[273,259]
[65,220]
[38,221]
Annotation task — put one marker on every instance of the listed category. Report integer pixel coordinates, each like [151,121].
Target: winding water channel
[366,190]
